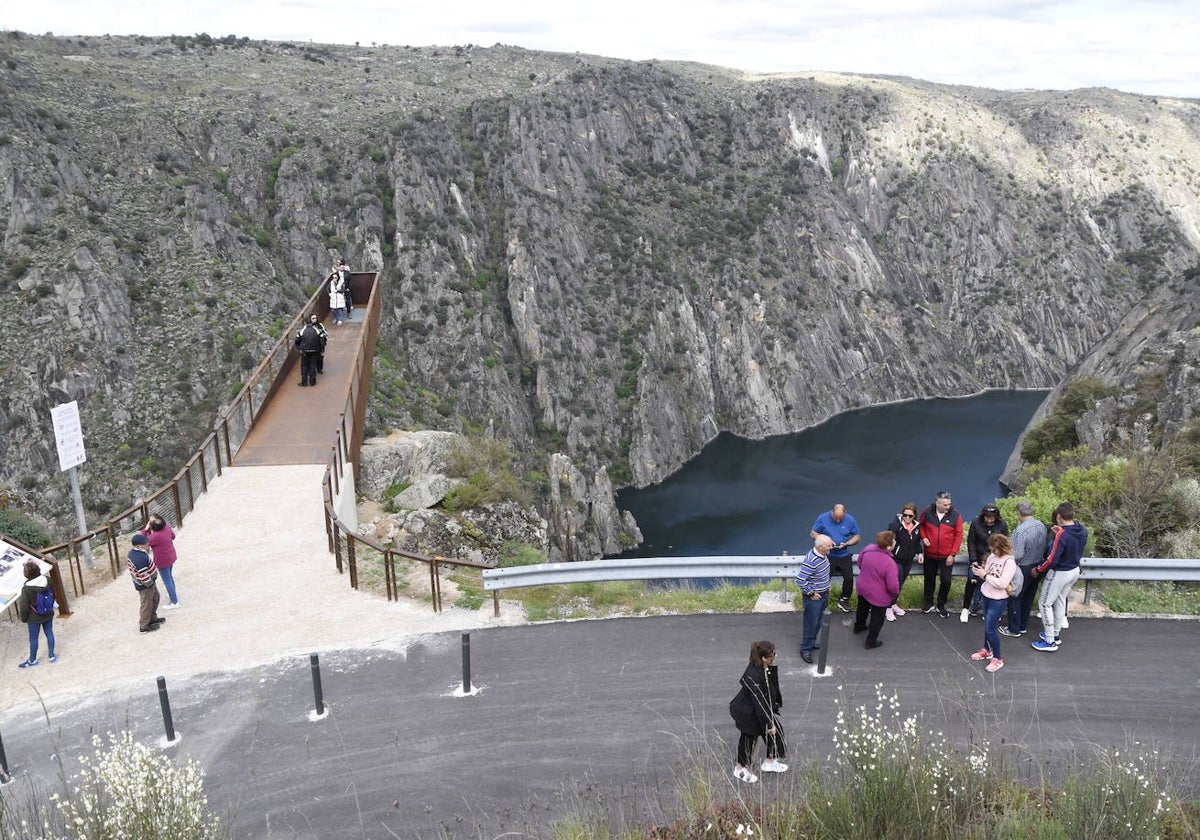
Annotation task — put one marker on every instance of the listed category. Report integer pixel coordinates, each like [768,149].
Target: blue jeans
[993,608]
[34,629]
[168,578]
[814,608]
[1020,606]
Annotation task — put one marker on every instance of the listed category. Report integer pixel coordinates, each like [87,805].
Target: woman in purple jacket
[162,543]
[878,586]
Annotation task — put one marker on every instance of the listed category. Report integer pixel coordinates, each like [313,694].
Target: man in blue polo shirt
[841,528]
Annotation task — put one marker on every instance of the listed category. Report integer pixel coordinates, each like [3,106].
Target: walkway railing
[177,498]
[345,545]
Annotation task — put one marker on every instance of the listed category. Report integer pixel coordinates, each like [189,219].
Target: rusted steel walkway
[297,425]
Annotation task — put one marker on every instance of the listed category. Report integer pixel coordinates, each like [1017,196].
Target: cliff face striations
[607,262]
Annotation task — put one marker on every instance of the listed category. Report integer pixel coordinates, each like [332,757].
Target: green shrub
[1150,597]
[1056,432]
[517,553]
[15,524]
[485,467]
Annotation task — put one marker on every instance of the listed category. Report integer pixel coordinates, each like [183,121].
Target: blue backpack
[43,604]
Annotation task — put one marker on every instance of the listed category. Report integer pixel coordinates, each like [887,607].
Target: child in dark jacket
[35,583]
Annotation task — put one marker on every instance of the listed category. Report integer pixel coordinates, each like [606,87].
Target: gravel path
[256,583]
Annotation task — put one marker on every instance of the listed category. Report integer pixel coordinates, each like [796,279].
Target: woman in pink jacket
[878,586]
[997,573]
[162,544]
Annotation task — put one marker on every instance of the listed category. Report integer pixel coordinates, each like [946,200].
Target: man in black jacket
[310,341]
[987,523]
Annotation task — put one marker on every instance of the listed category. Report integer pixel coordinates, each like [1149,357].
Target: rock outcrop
[417,522]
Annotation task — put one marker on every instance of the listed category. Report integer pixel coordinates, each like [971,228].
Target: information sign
[68,435]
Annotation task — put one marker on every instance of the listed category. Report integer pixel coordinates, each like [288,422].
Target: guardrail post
[1087,592]
[495,604]
[783,582]
[823,632]
[314,664]
[466,660]
[165,702]
[352,559]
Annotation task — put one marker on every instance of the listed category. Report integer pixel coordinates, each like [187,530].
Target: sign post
[68,436]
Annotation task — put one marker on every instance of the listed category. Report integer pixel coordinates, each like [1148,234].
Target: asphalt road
[565,716]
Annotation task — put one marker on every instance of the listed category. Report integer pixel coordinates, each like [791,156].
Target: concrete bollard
[165,702]
[466,661]
[823,633]
[5,778]
[318,695]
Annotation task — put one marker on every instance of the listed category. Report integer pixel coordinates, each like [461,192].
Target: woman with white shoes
[907,550]
[755,710]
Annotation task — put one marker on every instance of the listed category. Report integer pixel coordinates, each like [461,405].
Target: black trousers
[308,368]
[843,566]
[870,618]
[935,570]
[903,567]
[776,745]
[969,589]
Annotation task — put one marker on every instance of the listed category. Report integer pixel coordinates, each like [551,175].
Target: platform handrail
[344,449]
[177,498]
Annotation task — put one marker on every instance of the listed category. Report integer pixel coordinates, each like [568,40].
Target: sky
[1139,46]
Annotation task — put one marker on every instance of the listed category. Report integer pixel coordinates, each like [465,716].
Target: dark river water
[760,497]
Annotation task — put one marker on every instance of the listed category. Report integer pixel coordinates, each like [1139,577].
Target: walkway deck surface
[298,424]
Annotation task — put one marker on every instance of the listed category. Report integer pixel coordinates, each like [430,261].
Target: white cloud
[1145,47]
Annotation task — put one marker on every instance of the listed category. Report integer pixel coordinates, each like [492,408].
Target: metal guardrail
[641,568]
[784,567]
[1135,568]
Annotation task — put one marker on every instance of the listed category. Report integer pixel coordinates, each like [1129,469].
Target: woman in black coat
[907,549]
[755,710]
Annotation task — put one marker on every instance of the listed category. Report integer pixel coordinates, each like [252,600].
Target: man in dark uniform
[310,341]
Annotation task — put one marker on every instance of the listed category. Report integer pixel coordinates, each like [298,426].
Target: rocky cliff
[609,262]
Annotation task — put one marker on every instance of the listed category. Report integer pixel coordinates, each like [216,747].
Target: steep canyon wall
[604,261]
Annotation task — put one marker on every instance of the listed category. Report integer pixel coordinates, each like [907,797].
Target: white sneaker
[965,615]
[898,612]
[890,615]
[174,606]
[774,765]
[745,775]
[1065,624]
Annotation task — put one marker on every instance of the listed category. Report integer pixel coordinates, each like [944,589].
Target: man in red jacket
[941,534]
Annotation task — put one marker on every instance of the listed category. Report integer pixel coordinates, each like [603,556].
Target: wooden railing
[344,543]
[177,498]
